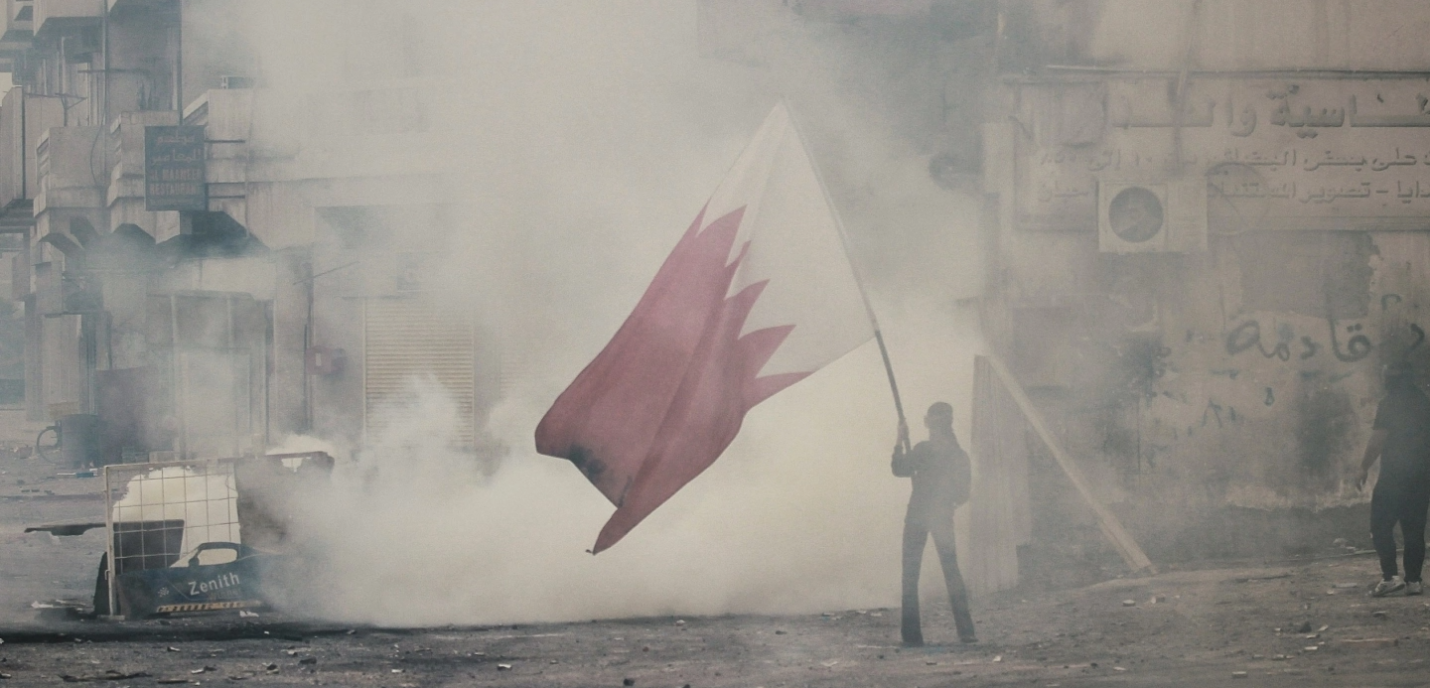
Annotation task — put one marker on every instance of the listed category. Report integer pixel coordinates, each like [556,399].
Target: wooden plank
[1131,553]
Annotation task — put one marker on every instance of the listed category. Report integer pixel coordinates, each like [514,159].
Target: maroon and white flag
[757,295]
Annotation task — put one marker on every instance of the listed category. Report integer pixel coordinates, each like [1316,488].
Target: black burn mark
[587,464]
[1325,424]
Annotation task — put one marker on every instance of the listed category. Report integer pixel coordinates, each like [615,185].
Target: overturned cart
[200,535]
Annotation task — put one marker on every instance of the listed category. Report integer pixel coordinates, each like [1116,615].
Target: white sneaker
[1414,588]
[1387,587]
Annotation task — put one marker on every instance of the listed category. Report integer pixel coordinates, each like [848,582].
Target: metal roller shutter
[406,339]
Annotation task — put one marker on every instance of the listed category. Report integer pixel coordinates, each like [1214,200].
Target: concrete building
[1204,233]
[1204,229]
[209,265]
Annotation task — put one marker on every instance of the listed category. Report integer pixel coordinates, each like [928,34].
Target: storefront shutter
[407,339]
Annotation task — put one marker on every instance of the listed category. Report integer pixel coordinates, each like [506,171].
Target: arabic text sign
[174,169]
[1290,154]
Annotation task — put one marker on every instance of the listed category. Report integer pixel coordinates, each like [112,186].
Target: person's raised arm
[903,463]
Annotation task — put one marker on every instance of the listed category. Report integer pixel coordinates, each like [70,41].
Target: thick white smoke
[591,135]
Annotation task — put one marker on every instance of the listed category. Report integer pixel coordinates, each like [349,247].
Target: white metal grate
[157,513]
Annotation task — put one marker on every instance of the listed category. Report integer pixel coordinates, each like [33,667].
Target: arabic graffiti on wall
[1330,148]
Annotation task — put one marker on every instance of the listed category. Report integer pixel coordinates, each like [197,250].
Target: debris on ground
[1366,643]
[110,675]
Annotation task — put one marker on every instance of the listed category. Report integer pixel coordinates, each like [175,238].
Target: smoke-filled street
[1290,621]
[714,342]
[1282,624]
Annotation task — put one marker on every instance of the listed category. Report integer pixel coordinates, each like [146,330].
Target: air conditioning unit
[1152,216]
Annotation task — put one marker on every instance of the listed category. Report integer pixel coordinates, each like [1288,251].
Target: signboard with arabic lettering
[174,169]
[1329,154]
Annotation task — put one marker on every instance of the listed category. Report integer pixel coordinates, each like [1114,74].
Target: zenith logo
[227,580]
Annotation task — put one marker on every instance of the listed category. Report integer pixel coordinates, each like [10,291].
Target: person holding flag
[757,294]
[941,475]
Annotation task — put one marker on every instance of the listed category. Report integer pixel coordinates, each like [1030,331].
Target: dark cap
[940,409]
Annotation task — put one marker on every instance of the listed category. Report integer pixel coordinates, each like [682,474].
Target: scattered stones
[1369,643]
[1305,627]
[1379,614]
[1238,674]
[503,667]
[628,682]
[779,632]
[1129,603]
[308,660]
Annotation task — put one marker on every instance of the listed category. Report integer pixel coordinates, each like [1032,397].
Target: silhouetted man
[1401,440]
[941,476]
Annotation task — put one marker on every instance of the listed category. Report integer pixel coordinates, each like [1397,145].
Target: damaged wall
[1229,355]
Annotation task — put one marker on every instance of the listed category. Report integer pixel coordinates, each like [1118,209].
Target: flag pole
[854,267]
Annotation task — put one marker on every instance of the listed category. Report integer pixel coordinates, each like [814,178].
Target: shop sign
[174,169]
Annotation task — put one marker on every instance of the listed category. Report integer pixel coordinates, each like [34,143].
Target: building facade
[210,258]
[1202,236]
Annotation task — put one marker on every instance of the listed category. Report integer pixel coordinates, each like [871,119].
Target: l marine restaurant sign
[174,169]
[1331,154]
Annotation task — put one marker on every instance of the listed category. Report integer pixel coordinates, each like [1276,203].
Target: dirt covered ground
[1288,622]
[1296,625]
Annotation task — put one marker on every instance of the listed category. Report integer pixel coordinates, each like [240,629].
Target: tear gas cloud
[583,138]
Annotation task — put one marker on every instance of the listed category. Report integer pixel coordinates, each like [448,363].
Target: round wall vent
[1135,214]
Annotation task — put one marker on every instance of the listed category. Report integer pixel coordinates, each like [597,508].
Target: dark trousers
[915,538]
[1392,503]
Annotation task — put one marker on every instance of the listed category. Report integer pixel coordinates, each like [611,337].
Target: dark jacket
[1404,414]
[941,475]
